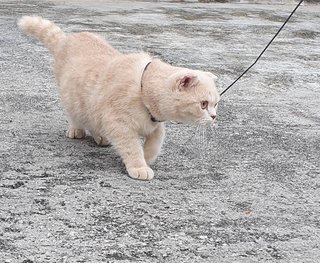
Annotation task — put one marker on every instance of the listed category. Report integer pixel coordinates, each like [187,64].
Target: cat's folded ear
[186,81]
[214,77]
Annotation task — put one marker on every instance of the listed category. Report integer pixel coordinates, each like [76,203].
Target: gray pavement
[245,191]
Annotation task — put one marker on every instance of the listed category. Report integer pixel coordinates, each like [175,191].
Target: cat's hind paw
[101,141]
[73,133]
[142,173]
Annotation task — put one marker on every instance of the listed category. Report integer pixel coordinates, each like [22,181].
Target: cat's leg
[131,152]
[153,143]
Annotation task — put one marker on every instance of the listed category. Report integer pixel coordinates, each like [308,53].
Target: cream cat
[120,98]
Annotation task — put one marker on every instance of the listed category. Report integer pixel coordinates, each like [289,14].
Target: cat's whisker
[192,135]
[214,129]
[203,140]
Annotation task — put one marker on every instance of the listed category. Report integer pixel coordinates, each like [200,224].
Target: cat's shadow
[95,157]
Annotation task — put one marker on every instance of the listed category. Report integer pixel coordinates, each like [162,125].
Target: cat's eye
[204,104]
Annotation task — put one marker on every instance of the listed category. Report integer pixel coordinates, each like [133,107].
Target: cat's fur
[101,91]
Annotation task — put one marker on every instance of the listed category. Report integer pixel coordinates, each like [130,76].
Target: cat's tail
[44,30]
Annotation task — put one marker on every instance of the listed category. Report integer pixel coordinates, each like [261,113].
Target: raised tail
[44,30]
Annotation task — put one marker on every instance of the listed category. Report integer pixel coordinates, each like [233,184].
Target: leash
[279,30]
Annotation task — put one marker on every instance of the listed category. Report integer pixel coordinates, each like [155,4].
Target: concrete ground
[246,191]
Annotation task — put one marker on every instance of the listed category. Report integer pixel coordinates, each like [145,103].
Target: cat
[120,98]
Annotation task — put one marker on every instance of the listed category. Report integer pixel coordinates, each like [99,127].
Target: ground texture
[246,191]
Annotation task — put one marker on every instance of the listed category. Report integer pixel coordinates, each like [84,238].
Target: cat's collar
[144,70]
[153,119]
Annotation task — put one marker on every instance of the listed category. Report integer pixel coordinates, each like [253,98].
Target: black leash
[263,50]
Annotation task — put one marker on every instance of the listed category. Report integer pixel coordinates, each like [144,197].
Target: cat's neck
[154,88]
[152,118]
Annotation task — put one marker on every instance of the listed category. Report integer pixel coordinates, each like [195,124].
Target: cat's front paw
[142,173]
[73,133]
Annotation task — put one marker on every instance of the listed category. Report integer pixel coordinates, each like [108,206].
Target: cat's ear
[214,77]
[186,81]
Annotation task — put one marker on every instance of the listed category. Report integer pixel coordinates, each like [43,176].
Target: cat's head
[193,97]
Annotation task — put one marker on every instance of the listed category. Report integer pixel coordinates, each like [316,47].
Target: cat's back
[80,53]
[88,45]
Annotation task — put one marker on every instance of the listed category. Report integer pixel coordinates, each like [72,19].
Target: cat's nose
[213,116]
